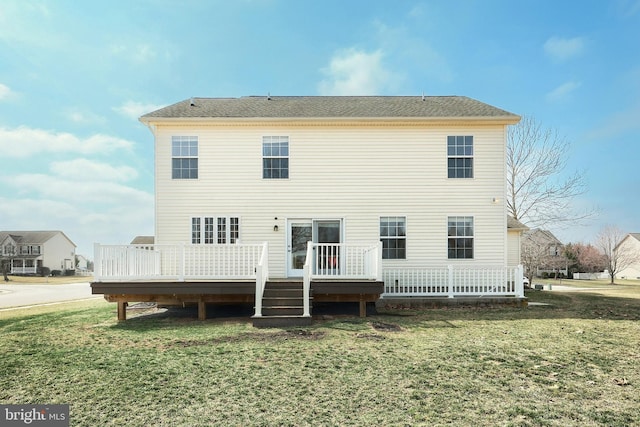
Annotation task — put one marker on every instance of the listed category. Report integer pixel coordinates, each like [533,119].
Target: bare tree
[538,195]
[617,257]
[584,258]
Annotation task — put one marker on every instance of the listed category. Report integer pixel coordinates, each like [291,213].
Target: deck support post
[122,311]
[202,310]
[363,306]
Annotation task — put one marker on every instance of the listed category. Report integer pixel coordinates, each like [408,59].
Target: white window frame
[9,249]
[395,237]
[460,152]
[267,154]
[458,219]
[215,230]
[185,152]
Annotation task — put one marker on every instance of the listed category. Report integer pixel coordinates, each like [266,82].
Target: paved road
[20,295]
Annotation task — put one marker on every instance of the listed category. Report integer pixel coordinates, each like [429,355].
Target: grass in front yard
[574,362]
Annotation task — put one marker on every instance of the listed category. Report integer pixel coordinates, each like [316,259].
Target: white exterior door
[301,231]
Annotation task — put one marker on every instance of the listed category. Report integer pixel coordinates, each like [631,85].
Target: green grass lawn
[572,363]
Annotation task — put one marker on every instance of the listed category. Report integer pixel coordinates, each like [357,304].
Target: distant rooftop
[143,240]
[31,237]
[336,107]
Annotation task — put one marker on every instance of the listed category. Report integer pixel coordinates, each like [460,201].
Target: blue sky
[76,75]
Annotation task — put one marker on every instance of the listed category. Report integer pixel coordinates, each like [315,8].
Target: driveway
[24,294]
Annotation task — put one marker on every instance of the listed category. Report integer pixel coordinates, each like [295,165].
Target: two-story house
[27,252]
[627,255]
[352,197]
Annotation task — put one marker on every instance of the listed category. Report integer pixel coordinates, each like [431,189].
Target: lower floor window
[460,237]
[217,230]
[393,235]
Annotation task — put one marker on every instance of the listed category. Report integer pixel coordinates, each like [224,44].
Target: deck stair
[282,305]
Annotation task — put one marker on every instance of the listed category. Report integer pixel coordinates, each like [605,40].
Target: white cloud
[355,72]
[89,170]
[4,91]
[562,91]
[562,49]
[24,141]
[133,109]
[407,51]
[97,192]
[84,117]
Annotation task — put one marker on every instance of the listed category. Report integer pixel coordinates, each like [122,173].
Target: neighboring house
[349,198]
[542,252]
[26,252]
[514,241]
[628,254]
[81,262]
[84,267]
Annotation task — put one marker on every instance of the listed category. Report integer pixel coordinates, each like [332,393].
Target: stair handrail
[306,281]
[262,274]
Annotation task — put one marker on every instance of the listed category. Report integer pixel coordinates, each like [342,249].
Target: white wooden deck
[339,262]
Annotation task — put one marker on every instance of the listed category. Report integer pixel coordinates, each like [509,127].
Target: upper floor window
[9,249]
[460,156]
[216,230]
[275,157]
[460,237]
[29,250]
[393,235]
[184,157]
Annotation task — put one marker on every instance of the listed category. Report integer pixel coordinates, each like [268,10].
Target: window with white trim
[9,249]
[460,237]
[184,157]
[29,250]
[275,157]
[217,230]
[460,156]
[195,230]
[393,235]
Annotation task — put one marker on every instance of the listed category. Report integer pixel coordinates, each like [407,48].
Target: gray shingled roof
[431,107]
[143,240]
[31,237]
[514,224]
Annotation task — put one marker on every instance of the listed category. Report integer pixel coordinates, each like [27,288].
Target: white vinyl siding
[381,169]
[513,248]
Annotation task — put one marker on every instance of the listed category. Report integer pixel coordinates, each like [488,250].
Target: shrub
[56,272]
[44,271]
[69,272]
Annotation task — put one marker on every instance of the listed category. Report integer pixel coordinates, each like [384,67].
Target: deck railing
[454,281]
[345,260]
[340,261]
[23,270]
[176,262]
